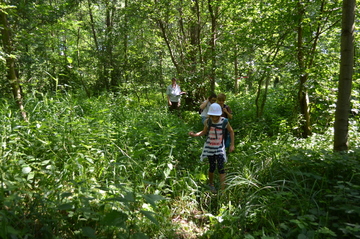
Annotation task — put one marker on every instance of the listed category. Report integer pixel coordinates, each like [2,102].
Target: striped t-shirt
[214,144]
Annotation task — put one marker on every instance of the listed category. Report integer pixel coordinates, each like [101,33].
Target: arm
[228,112]
[182,92]
[168,98]
[168,95]
[204,104]
[232,137]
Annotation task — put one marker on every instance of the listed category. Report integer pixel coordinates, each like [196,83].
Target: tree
[345,81]
[10,61]
[308,37]
[214,15]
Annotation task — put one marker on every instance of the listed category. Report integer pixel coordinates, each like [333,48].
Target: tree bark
[341,126]
[10,64]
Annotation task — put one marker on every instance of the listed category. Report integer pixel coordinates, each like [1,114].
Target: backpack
[226,135]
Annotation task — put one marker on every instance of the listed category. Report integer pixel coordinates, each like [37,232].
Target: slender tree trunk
[167,41]
[78,62]
[92,24]
[236,72]
[261,96]
[306,63]
[10,64]
[109,58]
[126,39]
[194,41]
[258,95]
[341,126]
[213,15]
[303,98]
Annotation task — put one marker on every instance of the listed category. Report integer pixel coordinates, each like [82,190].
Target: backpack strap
[224,124]
[209,123]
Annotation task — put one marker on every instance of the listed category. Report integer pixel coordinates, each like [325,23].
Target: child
[214,147]
[204,107]
[227,113]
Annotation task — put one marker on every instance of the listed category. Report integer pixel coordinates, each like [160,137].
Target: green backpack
[226,135]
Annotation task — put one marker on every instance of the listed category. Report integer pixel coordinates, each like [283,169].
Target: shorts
[217,161]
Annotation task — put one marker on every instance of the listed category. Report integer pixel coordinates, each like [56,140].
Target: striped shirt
[214,144]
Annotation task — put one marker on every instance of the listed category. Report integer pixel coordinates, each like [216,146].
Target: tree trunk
[258,95]
[345,82]
[92,24]
[167,41]
[236,73]
[125,44]
[10,64]
[213,15]
[302,92]
[306,63]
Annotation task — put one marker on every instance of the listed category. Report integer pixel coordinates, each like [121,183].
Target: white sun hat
[215,110]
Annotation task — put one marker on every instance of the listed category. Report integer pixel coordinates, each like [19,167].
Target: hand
[225,110]
[231,148]
[169,103]
[191,133]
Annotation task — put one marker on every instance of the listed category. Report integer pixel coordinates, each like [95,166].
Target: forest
[89,148]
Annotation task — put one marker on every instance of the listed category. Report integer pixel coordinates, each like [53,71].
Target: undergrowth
[111,167]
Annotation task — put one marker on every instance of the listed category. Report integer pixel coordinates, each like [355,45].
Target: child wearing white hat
[214,147]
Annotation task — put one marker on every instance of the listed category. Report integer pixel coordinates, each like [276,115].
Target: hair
[221,96]
[212,95]
[173,78]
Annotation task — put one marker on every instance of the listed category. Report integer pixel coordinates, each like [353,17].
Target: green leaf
[167,172]
[139,235]
[65,206]
[302,236]
[30,176]
[152,198]
[45,162]
[26,170]
[66,194]
[88,232]
[11,230]
[128,197]
[115,218]
[150,216]
[325,230]
[70,60]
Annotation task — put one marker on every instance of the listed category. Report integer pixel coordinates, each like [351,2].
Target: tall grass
[111,167]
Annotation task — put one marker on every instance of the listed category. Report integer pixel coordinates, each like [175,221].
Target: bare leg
[222,180]
[211,182]
[211,179]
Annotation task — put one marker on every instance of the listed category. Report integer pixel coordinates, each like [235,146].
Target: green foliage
[116,167]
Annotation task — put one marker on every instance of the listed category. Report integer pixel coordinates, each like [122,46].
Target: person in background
[204,107]
[227,113]
[214,147]
[174,93]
